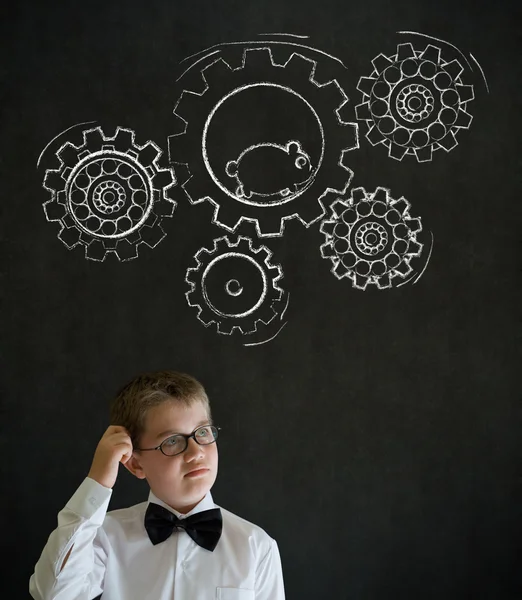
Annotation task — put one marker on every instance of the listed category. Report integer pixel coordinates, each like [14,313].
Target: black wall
[377,436]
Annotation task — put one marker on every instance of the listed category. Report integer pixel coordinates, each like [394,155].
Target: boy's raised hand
[115,446]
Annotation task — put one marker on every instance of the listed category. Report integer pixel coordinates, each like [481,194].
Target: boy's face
[168,476]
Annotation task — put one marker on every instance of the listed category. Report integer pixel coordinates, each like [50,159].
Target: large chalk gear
[258,68]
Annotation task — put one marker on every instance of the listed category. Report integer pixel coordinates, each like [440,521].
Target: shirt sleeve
[79,528]
[269,575]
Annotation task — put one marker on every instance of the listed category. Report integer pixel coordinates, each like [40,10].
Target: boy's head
[153,407]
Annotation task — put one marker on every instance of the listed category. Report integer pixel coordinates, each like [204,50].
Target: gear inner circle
[231,286]
[109,197]
[415,102]
[109,194]
[371,238]
[251,201]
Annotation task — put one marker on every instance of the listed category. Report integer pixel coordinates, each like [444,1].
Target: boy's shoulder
[127,513]
[242,525]
[130,518]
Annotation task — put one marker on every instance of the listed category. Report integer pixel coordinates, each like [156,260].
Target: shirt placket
[184,550]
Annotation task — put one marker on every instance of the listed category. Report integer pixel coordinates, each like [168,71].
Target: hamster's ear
[240,192]
[245,192]
[293,148]
[231,168]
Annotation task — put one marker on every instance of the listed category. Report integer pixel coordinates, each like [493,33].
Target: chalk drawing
[109,194]
[42,153]
[263,43]
[275,322]
[415,102]
[427,260]
[269,339]
[371,238]
[235,287]
[305,37]
[301,189]
[441,41]
[288,162]
[481,71]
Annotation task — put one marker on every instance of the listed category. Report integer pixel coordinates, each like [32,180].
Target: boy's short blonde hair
[131,404]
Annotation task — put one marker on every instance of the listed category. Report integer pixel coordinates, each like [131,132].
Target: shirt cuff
[90,500]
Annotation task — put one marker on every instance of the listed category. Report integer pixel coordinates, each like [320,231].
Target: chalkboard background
[377,436]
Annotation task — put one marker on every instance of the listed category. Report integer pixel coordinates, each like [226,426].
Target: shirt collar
[206,503]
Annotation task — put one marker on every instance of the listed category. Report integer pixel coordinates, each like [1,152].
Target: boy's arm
[72,563]
[269,576]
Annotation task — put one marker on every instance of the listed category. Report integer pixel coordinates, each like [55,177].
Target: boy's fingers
[116,429]
[119,438]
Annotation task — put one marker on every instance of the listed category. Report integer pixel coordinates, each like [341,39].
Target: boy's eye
[172,441]
[203,432]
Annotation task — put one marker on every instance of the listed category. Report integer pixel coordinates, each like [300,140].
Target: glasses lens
[174,445]
[206,434]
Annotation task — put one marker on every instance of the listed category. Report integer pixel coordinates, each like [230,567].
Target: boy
[178,545]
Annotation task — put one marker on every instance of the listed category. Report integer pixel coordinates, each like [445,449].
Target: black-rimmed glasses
[178,443]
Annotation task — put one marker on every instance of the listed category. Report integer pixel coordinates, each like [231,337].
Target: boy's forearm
[66,574]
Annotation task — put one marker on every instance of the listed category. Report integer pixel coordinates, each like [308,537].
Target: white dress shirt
[113,556]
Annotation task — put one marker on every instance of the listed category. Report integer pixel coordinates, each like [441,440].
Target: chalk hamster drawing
[289,167]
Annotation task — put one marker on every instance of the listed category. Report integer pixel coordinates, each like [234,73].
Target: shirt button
[93,501]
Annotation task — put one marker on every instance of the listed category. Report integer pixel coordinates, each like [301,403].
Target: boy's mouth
[197,472]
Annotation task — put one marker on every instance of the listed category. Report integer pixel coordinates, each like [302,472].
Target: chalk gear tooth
[246,318]
[109,194]
[257,67]
[370,238]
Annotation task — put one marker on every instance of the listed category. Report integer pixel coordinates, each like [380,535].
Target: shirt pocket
[223,593]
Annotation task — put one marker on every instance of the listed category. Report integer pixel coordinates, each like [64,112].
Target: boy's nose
[193,449]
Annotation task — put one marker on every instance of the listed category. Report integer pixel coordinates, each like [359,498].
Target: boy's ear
[134,466]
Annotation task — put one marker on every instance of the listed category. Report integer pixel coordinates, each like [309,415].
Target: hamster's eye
[300,162]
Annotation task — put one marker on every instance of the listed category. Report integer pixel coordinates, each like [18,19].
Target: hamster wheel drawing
[293,81]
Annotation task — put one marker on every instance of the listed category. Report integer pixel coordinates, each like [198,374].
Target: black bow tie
[203,527]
